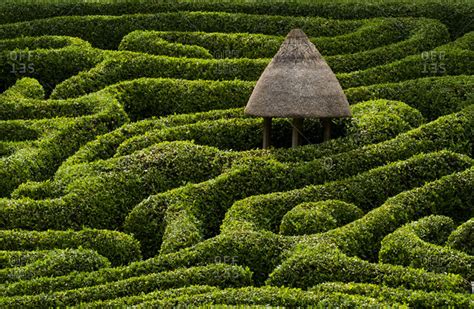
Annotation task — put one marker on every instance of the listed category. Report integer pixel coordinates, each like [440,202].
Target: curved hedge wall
[118,247]
[406,247]
[131,175]
[462,238]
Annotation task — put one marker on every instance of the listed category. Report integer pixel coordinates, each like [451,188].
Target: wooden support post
[297,130]
[326,128]
[267,132]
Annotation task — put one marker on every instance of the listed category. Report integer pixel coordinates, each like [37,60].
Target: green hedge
[432,96]
[61,137]
[367,190]
[104,146]
[126,65]
[362,237]
[372,121]
[138,299]
[9,258]
[443,62]
[48,66]
[17,130]
[413,298]
[463,238]
[428,35]
[106,32]
[95,186]
[322,262]
[407,247]
[118,247]
[404,36]
[260,251]
[31,109]
[244,134]
[42,42]
[234,134]
[129,65]
[56,263]
[220,275]
[146,97]
[316,217]
[251,297]
[205,204]
[100,195]
[217,44]
[23,88]
[454,14]
[147,43]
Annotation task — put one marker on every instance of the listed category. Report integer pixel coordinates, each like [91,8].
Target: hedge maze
[130,175]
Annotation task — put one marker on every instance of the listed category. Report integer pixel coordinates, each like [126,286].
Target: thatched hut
[297,84]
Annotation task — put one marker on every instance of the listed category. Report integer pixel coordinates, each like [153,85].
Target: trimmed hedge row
[118,247]
[147,43]
[413,298]
[427,35]
[432,96]
[405,247]
[10,258]
[367,129]
[367,190]
[61,137]
[464,42]
[259,251]
[317,217]
[405,36]
[138,299]
[439,62]
[128,65]
[454,14]
[146,97]
[48,66]
[205,204]
[99,195]
[372,121]
[216,44]
[324,262]
[106,32]
[221,275]
[95,185]
[56,263]
[233,134]
[17,130]
[253,296]
[449,195]
[124,65]
[42,42]
[462,238]
[26,87]
[104,146]
[30,109]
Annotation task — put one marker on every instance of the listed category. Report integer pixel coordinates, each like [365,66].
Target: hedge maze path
[130,175]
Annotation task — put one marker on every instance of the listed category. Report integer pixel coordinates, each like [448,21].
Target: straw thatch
[298,83]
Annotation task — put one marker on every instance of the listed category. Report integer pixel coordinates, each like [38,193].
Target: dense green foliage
[130,175]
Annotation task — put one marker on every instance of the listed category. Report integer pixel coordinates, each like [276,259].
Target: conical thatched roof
[298,83]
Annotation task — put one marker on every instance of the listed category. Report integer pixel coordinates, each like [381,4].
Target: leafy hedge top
[123,137]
